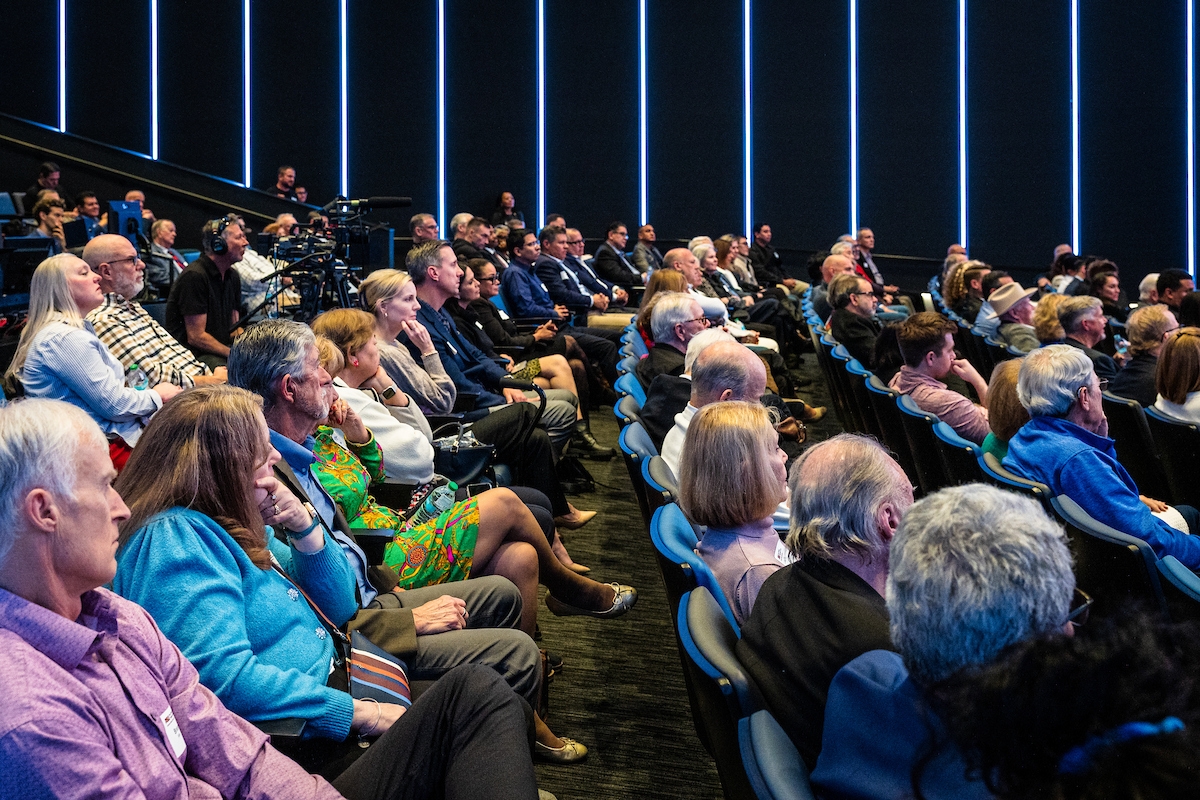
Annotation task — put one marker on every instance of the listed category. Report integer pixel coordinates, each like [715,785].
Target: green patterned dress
[438,551]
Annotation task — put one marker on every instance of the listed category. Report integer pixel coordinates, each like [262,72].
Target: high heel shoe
[578,569]
[624,599]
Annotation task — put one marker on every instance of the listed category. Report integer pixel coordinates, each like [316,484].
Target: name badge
[174,735]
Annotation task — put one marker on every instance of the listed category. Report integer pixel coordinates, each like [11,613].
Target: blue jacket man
[469,368]
[527,296]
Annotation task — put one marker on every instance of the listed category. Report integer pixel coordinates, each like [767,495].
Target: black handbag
[459,456]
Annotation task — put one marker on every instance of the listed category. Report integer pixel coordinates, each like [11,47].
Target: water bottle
[437,501]
[137,378]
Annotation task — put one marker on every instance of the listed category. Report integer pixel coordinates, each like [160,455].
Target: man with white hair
[133,336]
[431,628]
[1065,445]
[675,320]
[972,570]
[723,371]
[1148,290]
[669,394]
[817,614]
[1083,320]
[97,699]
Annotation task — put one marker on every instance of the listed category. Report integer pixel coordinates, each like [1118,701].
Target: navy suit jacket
[525,294]
[561,288]
[467,366]
[588,277]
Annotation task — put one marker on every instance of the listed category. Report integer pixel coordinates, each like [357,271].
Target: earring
[354,362]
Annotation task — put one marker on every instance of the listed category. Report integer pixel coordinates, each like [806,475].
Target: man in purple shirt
[98,702]
[927,345]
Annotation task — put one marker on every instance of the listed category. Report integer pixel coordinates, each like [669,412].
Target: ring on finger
[276,509]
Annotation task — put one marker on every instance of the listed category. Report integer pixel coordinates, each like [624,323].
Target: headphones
[215,242]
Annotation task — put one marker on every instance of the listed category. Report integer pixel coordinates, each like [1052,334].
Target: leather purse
[459,456]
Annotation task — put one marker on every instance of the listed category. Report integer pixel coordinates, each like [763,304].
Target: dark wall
[1133,148]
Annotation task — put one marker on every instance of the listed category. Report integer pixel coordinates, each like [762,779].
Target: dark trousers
[601,346]
[532,458]
[467,737]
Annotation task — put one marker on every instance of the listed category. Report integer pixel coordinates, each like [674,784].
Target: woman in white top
[60,357]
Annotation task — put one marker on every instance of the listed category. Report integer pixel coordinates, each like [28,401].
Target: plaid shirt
[134,337]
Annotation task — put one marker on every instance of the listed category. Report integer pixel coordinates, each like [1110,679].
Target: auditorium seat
[1136,449]
[771,761]
[918,427]
[629,384]
[674,535]
[627,410]
[1178,445]
[960,457]
[661,484]
[1181,589]
[1112,566]
[887,412]
[724,692]
[995,473]
[637,445]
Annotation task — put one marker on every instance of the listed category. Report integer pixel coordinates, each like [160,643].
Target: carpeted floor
[621,692]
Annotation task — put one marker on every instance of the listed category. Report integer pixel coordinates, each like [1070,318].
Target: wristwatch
[388,393]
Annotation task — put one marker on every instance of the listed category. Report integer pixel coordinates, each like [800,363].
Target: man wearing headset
[203,307]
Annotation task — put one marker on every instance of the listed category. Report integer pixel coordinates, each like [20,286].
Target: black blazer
[858,334]
[663,360]
[1136,380]
[615,268]
[667,396]
[1104,365]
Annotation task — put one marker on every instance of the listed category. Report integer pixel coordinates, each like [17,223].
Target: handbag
[460,456]
[371,672]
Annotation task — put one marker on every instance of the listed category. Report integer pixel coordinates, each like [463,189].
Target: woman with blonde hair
[60,357]
[732,477]
[1045,320]
[1178,376]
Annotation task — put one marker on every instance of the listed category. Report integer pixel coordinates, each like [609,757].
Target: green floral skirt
[439,551]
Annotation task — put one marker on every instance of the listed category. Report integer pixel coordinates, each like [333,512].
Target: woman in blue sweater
[200,553]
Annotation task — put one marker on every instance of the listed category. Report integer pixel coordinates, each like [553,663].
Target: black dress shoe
[584,445]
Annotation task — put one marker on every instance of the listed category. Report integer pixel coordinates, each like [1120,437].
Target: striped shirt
[134,337]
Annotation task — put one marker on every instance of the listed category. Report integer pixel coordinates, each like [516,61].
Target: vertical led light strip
[154,79]
[441,112]
[245,92]
[1191,139]
[962,123]
[1075,245]
[541,112]
[62,65]
[747,132]
[343,23]
[853,117]
[643,184]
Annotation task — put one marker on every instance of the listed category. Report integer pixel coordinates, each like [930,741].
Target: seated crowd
[155,478]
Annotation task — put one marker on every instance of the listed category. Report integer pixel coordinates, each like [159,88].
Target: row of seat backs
[1161,454]
[1113,567]
[755,758]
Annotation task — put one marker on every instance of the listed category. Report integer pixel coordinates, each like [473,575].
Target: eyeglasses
[491,279]
[1081,605]
[134,258]
[1103,386]
[705,321]
[864,294]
